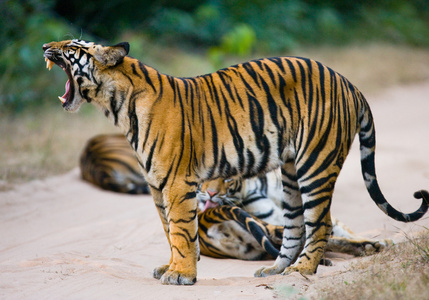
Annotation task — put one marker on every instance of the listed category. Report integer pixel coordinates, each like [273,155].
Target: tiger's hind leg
[316,184]
[309,220]
[294,230]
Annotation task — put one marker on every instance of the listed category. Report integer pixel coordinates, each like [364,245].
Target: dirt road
[64,239]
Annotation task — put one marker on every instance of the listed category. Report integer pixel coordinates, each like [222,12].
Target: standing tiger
[245,120]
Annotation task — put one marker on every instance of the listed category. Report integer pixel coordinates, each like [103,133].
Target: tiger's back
[108,161]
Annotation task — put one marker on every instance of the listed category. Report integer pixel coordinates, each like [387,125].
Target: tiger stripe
[219,219]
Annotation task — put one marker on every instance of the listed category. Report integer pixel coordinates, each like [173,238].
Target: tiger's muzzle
[54,56]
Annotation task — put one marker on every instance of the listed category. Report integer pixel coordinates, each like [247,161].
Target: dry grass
[48,142]
[400,272]
[373,68]
[39,144]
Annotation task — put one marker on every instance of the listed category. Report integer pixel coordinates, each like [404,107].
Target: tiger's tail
[253,226]
[367,153]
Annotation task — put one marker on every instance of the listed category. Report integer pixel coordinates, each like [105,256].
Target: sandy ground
[62,238]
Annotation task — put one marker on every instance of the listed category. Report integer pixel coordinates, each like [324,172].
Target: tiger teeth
[49,63]
[62,99]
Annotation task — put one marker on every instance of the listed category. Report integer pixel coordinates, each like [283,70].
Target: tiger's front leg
[180,211]
[159,203]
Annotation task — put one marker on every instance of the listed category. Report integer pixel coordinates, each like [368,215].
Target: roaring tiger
[245,120]
[108,161]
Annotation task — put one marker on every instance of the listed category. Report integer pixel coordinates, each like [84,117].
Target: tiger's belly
[249,161]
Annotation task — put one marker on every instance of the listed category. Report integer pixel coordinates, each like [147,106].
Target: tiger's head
[89,70]
[219,192]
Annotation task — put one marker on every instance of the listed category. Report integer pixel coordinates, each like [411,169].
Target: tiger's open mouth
[51,59]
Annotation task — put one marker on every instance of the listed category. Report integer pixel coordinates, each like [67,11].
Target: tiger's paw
[300,269]
[378,246]
[368,247]
[268,271]
[326,262]
[178,278]
[158,272]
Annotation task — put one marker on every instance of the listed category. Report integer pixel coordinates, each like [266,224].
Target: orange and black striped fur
[230,232]
[245,120]
[109,162]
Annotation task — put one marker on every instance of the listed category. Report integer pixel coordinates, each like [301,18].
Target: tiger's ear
[111,55]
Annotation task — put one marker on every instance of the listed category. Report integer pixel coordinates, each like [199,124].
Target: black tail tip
[422,194]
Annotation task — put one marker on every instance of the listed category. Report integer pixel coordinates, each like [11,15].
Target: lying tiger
[245,120]
[259,197]
[224,231]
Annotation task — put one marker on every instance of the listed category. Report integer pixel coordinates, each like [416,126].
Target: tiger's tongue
[210,204]
[63,99]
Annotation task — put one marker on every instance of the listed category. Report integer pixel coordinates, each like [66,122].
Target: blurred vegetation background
[376,44]
[212,29]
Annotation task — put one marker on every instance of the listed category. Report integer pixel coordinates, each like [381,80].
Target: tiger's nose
[46,47]
[212,193]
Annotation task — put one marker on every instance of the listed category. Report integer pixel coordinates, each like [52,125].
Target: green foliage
[401,23]
[105,19]
[204,27]
[21,59]
[239,41]
[223,27]
[284,25]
